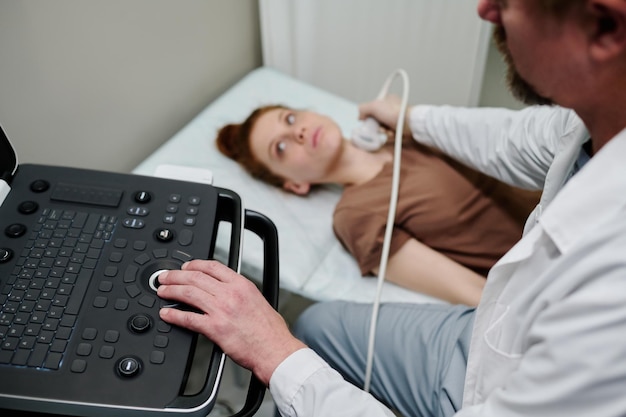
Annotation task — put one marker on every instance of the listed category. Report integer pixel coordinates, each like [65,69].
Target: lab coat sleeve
[304,385]
[516,147]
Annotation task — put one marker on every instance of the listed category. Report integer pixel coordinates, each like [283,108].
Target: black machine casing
[121,359]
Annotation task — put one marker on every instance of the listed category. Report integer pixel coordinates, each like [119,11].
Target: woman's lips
[316,135]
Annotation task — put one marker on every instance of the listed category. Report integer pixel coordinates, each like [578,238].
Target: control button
[39,186]
[142,197]
[147,301]
[28,207]
[138,211]
[121,304]
[186,237]
[15,230]
[116,257]
[128,366]
[161,341]
[84,349]
[111,336]
[175,198]
[107,352]
[164,235]
[159,253]
[90,333]
[140,245]
[194,201]
[100,302]
[133,223]
[181,256]
[157,357]
[133,291]
[78,366]
[110,271]
[5,255]
[120,243]
[163,327]
[142,259]
[140,323]
[131,273]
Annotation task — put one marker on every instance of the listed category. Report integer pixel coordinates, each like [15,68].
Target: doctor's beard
[520,89]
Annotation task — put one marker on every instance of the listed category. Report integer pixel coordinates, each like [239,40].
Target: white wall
[349,47]
[101,84]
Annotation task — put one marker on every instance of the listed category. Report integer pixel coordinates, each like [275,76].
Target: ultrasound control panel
[80,256]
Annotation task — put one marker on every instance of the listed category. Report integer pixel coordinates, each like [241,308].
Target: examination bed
[313,262]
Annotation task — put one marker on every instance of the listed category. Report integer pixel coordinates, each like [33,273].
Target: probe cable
[395,183]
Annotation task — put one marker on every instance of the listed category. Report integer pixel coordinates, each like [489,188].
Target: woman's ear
[609,28]
[297,188]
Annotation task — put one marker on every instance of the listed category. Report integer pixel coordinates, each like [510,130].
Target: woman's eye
[291,118]
[280,147]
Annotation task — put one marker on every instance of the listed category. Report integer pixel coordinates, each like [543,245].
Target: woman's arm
[418,267]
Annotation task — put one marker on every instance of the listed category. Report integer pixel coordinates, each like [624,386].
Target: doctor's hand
[386,111]
[233,314]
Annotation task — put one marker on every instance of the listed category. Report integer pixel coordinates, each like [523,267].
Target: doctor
[547,336]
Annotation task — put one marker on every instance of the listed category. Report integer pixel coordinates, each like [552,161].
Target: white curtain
[349,47]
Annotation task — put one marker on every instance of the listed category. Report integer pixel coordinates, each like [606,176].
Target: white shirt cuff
[291,374]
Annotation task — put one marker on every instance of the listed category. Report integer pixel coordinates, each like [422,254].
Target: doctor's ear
[609,30]
[297,188]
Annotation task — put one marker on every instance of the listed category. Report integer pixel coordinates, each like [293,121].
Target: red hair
[233,140]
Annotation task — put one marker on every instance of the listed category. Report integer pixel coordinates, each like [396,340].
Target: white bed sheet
[312,261]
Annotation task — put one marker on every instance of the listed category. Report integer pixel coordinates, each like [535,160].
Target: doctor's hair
[233,140]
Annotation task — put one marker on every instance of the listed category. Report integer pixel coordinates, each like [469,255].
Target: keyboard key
[53,361]
[76,299]
[38,355]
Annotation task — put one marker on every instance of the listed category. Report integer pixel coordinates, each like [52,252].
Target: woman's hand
[233,314]
[386,111]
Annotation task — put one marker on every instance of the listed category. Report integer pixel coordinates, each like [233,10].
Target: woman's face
[301,146]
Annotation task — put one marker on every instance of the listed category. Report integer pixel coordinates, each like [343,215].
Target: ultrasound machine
[80,254]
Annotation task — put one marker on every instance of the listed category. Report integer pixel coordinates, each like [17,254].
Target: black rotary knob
[15,230]
[128,366]
[139,323]
[5,255]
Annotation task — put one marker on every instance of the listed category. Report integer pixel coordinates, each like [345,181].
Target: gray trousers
[420,351]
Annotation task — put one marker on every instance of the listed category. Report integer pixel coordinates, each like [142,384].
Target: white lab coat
[548,333]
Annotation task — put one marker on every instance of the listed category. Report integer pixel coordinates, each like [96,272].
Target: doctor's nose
[489,10]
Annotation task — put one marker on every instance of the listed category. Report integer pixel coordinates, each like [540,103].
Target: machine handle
[266,230]
[230,211]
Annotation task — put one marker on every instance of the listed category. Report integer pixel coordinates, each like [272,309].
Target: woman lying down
[452,223]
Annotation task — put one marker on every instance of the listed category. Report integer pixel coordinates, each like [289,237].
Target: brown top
[466,215]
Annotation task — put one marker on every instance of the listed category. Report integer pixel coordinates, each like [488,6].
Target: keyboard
[42,297]
[80,254]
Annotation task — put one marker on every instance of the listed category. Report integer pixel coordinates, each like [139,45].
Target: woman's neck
[357,166]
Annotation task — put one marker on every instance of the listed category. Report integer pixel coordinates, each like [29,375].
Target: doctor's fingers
[209,293]
[189,320]
[214,269]
[199,273]
[385,110]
